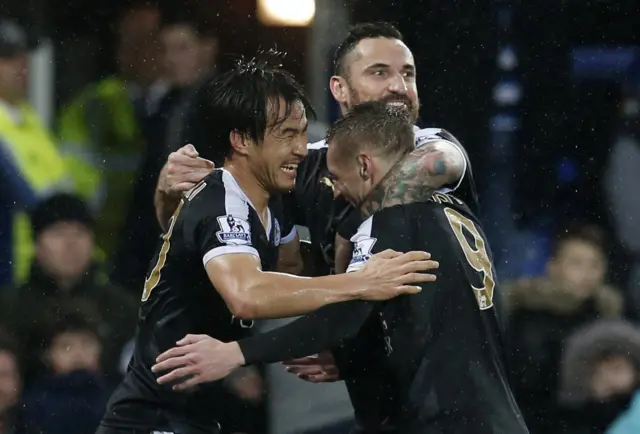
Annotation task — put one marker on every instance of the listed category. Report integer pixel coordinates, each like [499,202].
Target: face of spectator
[186,56]
[579,267]
[9,381]
[138,50]
[74,351]
[612,376]
[64,250]
[13,77]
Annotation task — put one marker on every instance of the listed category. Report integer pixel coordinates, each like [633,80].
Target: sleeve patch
[234,231]
[361,253]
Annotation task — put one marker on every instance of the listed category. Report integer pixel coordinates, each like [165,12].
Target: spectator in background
[543,312]
[30,165]
[63,271]
[621,180]
[189,50]
[105,131]
[600,374]
[72,396]
[12,420]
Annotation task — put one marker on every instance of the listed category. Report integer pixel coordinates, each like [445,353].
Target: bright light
[286,13]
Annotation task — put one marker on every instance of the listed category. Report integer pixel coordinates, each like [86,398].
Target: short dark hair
[77,317]
[239,100]
[584,232]
[357,33]
[376,125]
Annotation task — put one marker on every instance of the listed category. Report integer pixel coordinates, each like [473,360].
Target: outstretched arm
[200,358]
[251,293]
[417,176]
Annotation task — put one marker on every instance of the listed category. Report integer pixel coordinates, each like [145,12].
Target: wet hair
[375,125]
[356,34]
[244,100]
[586,233]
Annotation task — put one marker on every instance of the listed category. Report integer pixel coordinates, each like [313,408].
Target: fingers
[177,374]
[188,150]
[321,378]
[191,339]
[408,289]
[412,256]
[305,370]
[172,353]
[303,361]
[387,254]
[415,266]
[178,160]
[207,163]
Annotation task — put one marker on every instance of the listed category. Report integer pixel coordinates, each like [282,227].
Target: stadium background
[540,93]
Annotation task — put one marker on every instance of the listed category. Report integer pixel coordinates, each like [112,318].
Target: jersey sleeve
[430,135]
[330,326]
[216,223]
[384,230]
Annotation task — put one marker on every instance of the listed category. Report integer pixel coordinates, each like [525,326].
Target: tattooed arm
[417,176]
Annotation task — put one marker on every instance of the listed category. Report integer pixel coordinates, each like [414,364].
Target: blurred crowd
[78,229]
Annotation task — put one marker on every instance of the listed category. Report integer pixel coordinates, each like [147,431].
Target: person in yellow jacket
[30,164]
[101,136]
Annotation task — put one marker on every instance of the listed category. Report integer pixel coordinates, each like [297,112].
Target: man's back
[215,219]
[443,370]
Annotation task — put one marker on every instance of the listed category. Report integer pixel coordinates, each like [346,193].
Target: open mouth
[398,103]
[289,168]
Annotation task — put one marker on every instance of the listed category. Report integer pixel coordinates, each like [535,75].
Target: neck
[256,193]
[376,200]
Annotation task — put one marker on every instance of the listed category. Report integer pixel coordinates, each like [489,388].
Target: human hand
[388,274]
[320,368]
[197,359]
[184,170]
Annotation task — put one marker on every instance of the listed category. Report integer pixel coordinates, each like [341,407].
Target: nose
[300,148]
[397,84]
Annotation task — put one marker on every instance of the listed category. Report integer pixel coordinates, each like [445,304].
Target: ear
[366,166]
[239,144]
[339,89]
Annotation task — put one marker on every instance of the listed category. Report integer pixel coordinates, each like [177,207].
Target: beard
[413,109]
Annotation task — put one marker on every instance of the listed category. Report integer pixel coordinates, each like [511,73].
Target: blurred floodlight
[286,13]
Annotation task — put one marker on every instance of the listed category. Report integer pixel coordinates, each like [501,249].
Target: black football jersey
[216,218]
[426,363]
[311,203]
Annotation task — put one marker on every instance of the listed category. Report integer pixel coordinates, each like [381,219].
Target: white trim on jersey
[232,186]
[290,236]
[464,169]
[228,250]
[317,145]
[236,206]
[363,244]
